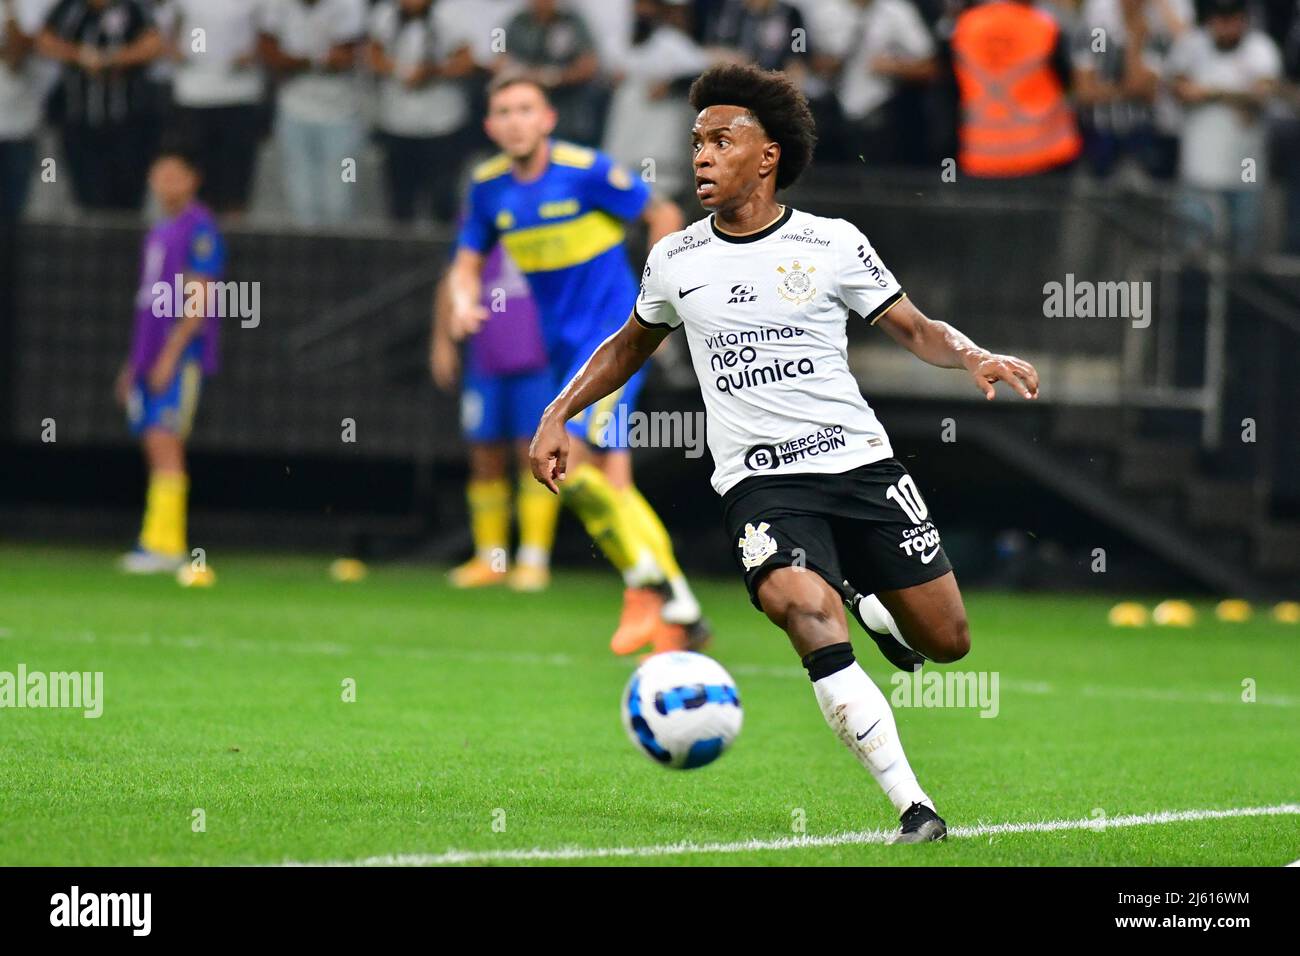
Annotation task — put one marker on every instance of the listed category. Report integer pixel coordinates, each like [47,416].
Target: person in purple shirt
[173,347]
[507,384]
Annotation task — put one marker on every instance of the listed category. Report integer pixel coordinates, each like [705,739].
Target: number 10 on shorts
[904,493]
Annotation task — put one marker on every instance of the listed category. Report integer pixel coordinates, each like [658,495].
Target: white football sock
[877,618]
[645,573]
[860,715]
[533,555]
[682,607]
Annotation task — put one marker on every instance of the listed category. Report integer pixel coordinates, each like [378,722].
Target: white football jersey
[766,320]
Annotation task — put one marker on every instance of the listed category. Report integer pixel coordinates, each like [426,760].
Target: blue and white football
[682,709]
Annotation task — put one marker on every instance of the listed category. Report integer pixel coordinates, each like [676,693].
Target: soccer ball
[682,709]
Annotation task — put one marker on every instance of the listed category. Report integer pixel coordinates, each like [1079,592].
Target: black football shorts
[863,531]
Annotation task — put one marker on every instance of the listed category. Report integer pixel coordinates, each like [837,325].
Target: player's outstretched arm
[940,344]
[616,360]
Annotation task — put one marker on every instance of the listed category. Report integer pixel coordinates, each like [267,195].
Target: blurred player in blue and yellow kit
[507,384]
[174,345]
[560,212]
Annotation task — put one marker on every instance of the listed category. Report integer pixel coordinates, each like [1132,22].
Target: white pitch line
[574,853]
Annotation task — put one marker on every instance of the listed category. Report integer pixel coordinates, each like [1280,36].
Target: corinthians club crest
[796,283]
[756,546]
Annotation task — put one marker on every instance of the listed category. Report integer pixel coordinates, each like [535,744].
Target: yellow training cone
[1233,611]
[1287,612]
[347,570]
[1174,614]
[1127,614]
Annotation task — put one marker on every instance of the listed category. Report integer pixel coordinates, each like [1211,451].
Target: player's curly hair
[773,100]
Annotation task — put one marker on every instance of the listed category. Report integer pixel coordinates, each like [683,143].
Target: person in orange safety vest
[1012,69]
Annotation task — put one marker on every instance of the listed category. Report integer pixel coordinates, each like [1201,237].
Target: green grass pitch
[487,722]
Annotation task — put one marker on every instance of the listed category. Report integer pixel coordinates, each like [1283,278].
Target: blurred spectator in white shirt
[1225,74]
[650,118]
[421,60]
[611,26]
[218,92]
[20,102]
[313,46]
[482,24]
[888,49]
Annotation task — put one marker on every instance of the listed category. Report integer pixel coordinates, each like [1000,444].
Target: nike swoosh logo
[868,730]
[682,295]
[927,558]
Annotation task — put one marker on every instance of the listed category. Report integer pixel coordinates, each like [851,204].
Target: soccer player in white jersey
[807,475]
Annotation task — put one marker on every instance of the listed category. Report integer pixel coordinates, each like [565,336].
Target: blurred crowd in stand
[1202,96]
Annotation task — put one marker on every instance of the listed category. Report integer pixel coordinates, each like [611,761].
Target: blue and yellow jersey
[565,232]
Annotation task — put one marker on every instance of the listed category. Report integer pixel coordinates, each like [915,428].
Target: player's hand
[444,363]
[161,375]
[549,453]
[465,322]
[988,369]
[122,385]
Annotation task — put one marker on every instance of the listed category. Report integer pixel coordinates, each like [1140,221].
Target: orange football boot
[670,637]
[475,573]
[639,622]
[681,637]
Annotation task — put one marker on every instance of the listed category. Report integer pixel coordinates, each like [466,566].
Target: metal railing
[988,257]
